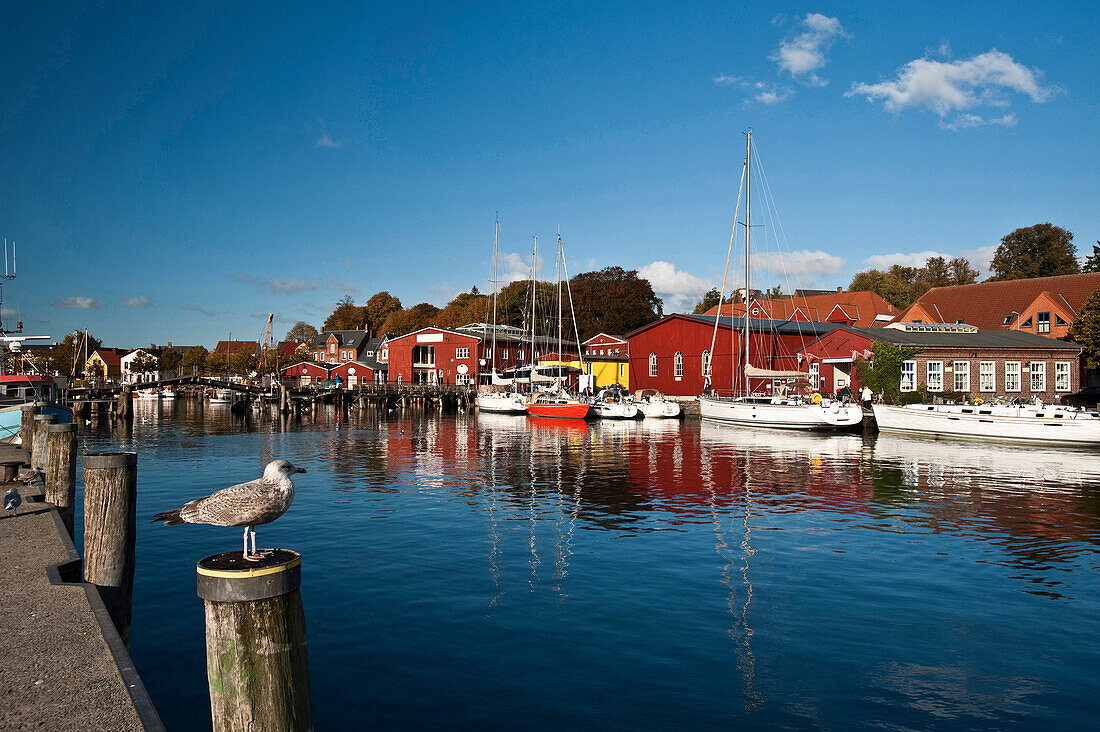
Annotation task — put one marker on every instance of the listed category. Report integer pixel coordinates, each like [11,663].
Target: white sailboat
[775,410]
[499,402]
[611,404]
[653,405]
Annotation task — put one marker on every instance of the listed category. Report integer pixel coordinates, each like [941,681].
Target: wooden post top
[31,408]
[110,459]
[228,577]
[67,427]
[45,418]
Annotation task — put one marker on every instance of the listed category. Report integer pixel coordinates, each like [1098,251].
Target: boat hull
[11,420]
[1003,424]
[660,410]
[825,416]
[603,410]
[558,411]
[501,403]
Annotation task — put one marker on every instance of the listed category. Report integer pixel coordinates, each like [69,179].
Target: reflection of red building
[671,354]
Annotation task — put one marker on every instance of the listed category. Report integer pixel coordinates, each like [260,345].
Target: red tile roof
[238,346]
[987,304]
[862,307]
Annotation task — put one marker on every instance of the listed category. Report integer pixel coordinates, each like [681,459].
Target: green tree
[346,316]
[774,293]
[143,363]
[466,308]
[215,362]
[302,332]
[242,362]
[194,357]
[411,319]
[883,374]
[1085,330]
[889,287]
[169,359]
[1043,250]
[710,299]
[962,273]
[379,307]
[1092,264]
[611,300]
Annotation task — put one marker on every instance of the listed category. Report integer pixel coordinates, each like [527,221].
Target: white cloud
[345,287]
[980,258]
[957,87]
[512,267]
[197,309]
[679,290]
[803,53]
[291,285]
[136,302]
[761,92]
[803,266]
[79,303]
[326,141]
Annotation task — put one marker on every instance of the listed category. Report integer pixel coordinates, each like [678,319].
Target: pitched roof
[862,307]
[111,356]
[808,329]
[987,304]
[350,338]
[287,348]
[1015,339]
[238,346]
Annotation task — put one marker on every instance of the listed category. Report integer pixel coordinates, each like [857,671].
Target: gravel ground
[56,671]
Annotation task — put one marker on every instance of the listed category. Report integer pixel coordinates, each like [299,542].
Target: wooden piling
[255,642]
[26,425]
[38,440]
[61,470]
[125,408]
[110,529]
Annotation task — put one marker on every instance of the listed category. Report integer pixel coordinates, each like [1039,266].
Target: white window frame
[706,364]
[678,365]
[1012,373]
[929,373]
[908,375]
[504,354]
[1040,326]
[961,369]
[463,352]
[1063,376]
[1038,378]
[815,375]
[987,369]
[653,364]
[332,348]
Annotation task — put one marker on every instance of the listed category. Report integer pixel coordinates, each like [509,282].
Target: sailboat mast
[748,228]
[493,352]
[561,355]
[531,358]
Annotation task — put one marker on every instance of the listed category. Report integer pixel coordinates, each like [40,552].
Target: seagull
[249,504]
[12,499]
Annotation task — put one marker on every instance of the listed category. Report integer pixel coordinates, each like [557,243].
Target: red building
[672,355]
[603,344]
[956,359]
[434,356]
[303,374]
[354,373]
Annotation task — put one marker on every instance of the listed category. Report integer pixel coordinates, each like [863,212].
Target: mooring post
[255,642]
[61,470]
[26,425]
[110,529]
[38,440]
[126,403]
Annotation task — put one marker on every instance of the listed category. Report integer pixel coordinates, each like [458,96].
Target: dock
[63,666]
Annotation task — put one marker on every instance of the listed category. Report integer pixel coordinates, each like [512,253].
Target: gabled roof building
[864,309]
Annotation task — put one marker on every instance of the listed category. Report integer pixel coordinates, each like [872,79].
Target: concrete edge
[146,712]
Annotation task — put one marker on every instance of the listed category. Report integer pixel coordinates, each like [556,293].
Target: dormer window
[1008,319]
[1026,323]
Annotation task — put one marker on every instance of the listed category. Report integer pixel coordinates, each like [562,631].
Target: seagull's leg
[261,553]
[245,553]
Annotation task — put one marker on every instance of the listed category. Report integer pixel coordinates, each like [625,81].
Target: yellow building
[608,370]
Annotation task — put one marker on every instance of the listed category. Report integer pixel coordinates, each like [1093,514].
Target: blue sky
[174,172]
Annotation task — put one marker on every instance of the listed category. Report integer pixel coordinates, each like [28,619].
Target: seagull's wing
[246,504]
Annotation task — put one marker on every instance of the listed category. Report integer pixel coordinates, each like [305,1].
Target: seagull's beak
[299,470]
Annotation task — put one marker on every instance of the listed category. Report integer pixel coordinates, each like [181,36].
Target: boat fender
[817,399]
[834,409]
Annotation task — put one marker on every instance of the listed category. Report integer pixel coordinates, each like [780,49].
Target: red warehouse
[434,356]
[673,354]
[303,374]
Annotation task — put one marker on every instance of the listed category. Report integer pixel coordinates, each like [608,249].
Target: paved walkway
[56,670]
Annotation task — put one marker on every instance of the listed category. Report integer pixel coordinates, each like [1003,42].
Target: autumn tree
[1092,264]
[68,357]
[1043,250]
[1085,330]
[612,300]
[466,308]
[901,286]
[411,319]
[890,287]
[194,357]
[302,332]
[215,362]
[169,359]
[346,316]
[379,307]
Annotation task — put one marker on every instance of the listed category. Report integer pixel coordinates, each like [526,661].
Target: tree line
[611,300]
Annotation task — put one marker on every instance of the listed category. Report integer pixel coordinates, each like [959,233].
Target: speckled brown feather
[247,504]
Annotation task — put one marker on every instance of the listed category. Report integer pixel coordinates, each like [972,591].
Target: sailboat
[509,401]
[771,410]
[556,402]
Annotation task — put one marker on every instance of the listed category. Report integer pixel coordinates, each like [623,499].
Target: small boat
[556,404]
[652,404]
[146,394]
[502,402]
[19,390]
[610,404]
[1050,425]
[168,394]
[221,396]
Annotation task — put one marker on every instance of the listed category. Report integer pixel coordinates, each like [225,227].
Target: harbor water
[495,572]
